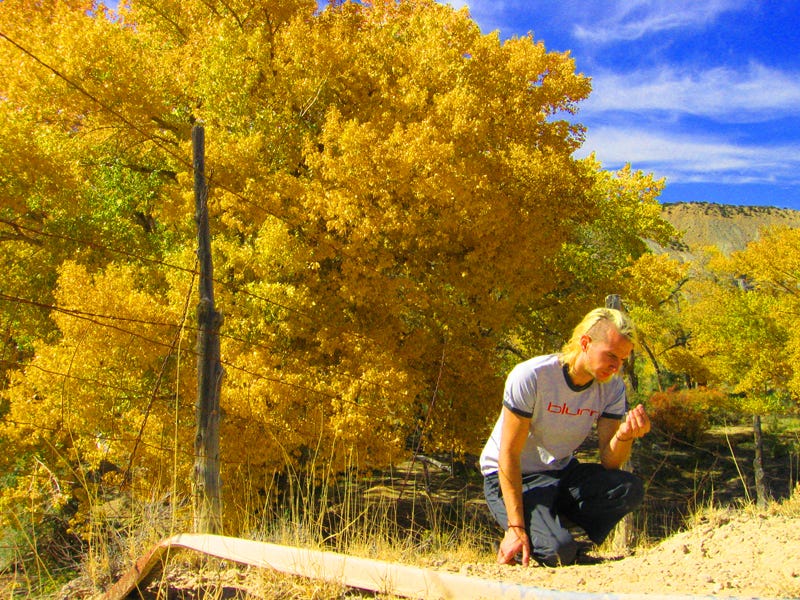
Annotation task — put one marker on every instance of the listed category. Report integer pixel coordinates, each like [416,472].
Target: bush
[687,414]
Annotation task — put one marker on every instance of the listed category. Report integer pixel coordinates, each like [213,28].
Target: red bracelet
[516,527]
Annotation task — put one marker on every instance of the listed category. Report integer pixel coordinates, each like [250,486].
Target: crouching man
[533,484]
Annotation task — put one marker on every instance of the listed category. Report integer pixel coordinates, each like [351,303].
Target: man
[534,486]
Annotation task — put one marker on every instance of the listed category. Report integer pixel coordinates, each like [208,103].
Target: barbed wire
[95,319]
[131,393]
[230,365]
[155,261]
[120,438]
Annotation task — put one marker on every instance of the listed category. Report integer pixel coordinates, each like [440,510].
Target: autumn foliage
[688,413]
[394,200]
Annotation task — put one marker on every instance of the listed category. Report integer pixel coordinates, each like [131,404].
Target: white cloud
[684,158]
[723,94]
[638,118]
[633,20]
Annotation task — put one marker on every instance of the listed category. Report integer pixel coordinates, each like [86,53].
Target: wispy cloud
[608,21]
[756,93]
[663,98]
[684,158]
[633,20]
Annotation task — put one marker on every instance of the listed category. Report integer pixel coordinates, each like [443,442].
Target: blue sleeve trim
[518,412]
[610,416]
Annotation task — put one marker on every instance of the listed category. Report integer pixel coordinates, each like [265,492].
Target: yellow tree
[104,398]
[741,329]
[65,194]
[771,267]
[392,193]
[601,256]
[652,287]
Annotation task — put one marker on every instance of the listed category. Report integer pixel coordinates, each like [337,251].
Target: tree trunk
[762,490]
[208,506]
[654,362]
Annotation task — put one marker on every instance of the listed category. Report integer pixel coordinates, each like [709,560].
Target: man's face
[605,353]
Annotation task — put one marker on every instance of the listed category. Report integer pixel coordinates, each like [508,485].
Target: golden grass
[376,520]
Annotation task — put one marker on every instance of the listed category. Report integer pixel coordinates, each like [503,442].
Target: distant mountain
[725,226]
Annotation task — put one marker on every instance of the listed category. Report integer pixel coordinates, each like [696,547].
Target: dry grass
[420,517]
[404,519]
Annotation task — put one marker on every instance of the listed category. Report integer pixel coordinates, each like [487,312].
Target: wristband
[619,439]
[516,527]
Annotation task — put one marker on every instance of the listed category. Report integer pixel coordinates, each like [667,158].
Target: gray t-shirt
[562,414]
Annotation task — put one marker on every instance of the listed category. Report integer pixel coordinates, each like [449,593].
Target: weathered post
[762,490]
[624,530]
[208,509]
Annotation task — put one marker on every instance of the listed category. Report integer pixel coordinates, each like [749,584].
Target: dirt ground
[742,554]
[726,553]
[729,554]
[723,551]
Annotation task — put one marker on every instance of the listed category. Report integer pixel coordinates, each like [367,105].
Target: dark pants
[588,495]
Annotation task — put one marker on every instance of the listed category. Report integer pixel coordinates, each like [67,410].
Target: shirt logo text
[563,409]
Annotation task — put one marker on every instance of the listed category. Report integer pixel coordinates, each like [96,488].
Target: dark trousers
[588,495]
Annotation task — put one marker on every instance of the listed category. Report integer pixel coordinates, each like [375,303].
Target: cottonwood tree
[392,193]
[653,286]
[742,324]
[770,266]
[606,253]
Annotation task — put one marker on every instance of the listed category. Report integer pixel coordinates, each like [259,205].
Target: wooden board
[361,573]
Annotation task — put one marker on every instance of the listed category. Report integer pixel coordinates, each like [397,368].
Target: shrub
[687,414]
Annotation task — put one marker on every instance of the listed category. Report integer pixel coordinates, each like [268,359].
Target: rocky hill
[727,227]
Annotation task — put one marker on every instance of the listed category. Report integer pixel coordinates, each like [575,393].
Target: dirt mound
[729,554]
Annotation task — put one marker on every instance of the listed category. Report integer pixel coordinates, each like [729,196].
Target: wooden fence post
[623,533]
[208,505]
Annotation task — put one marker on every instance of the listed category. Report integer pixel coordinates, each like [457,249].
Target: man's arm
[616,437]
[512,440]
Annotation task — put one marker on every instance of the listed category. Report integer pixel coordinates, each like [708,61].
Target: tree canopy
[394,195]
[743,319]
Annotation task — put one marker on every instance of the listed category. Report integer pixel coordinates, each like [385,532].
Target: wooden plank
[362,573]
[356,572]
[138,574]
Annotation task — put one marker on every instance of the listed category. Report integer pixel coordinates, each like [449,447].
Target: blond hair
[596,324]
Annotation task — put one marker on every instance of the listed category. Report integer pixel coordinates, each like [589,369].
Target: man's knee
[630,491]
[561,552]
[553,544]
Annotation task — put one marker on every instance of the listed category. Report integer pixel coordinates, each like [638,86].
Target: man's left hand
[636,424]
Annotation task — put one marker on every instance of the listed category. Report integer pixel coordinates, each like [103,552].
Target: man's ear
[585,339]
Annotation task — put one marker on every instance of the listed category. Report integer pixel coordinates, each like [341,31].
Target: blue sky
[703,92]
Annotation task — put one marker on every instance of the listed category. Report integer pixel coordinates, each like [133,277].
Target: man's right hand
[515,541]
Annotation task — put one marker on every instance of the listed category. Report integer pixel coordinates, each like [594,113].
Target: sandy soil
[730,554]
